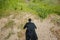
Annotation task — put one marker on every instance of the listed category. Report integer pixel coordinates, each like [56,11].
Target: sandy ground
[16,33]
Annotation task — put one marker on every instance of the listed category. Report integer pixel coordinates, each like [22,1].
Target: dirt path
[15,33]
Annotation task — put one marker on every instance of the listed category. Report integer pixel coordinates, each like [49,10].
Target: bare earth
[46,29]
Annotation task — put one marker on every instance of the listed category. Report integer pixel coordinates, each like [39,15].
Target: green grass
[44,9]
[4,13]
[35,6]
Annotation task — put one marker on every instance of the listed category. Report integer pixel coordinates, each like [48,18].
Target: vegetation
[20,34]
[8,25]
[8,36]
[40,7]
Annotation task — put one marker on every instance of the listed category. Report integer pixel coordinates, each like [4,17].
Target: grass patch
[8,25]
[4,13]
[20,34]
[35,6]
[8,36]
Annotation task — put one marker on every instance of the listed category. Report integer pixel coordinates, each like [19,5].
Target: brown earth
[11,27]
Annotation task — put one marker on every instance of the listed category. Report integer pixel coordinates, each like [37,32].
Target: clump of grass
[55,32]
[8,36]
[20,34]
[21,26]
[8,25]
[4,13]
[56,21]
[57,12]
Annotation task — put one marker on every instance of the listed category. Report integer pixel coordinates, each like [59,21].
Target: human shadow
[30,30]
